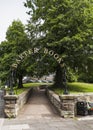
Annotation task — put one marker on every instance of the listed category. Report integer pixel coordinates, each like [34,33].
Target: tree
[67,28]
[16,42]
[5,60]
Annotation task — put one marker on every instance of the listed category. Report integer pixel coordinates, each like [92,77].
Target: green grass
[80,87]
[26,87]
[76,87]
[35,84]
[17,91]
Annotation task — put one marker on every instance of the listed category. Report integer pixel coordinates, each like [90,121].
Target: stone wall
[2,103]
[22,98]
[54,99]
[88,97]
[14,103]
[66,104]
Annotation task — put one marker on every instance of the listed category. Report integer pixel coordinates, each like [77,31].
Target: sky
[11,10]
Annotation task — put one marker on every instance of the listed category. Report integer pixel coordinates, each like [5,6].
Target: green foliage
[71,75]
[67,28]
[87,74]
[16,35]
[15,31]
[16,42]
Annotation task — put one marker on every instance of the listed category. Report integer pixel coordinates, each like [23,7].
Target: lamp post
[5,89]
[11,83]
[65,82]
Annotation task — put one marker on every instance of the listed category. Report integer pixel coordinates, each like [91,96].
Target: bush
[85,78]
[71,76]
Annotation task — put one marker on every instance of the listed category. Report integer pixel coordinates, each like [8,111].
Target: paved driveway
[39,114]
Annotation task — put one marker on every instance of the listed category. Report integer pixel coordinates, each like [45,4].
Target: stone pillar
[1,103]
[67,105]
[10,106]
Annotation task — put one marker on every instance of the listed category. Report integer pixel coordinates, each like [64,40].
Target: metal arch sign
[33,51]
[36,50]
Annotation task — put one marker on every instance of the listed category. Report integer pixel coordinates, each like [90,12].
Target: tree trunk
[58,80]
[20,84]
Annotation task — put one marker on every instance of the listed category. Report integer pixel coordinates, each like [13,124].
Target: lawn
[80,87]
[35,84]
[76,87]
[27,86]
